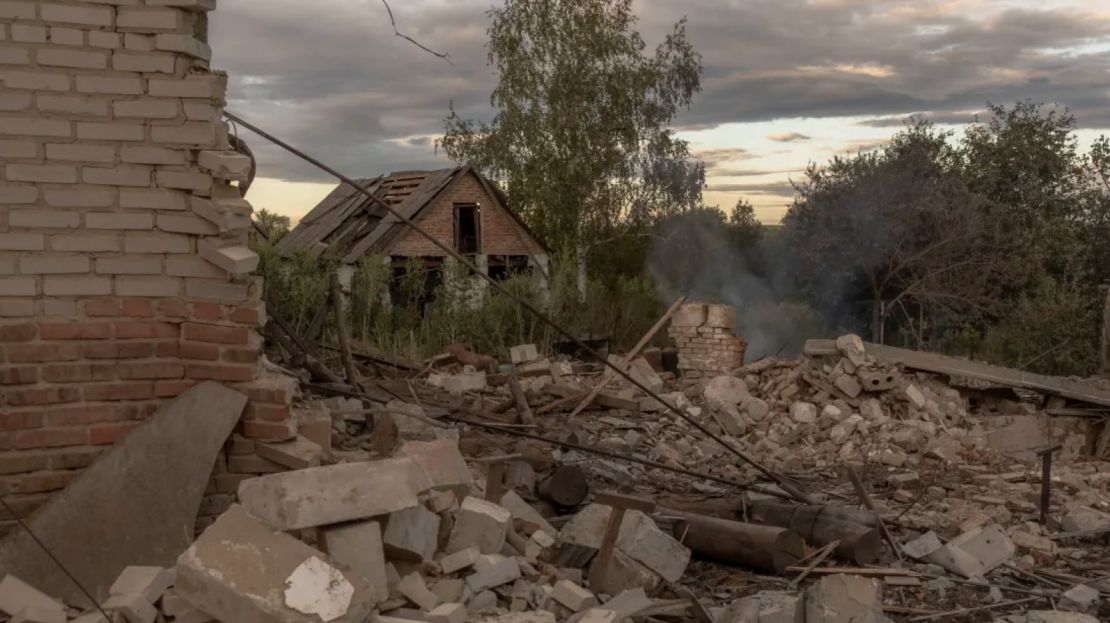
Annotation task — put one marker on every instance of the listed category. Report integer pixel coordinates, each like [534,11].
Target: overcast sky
[786,81]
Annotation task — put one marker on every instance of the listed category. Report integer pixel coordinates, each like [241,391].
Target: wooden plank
[952,366]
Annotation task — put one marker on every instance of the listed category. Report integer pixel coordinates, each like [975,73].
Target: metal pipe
[783,482]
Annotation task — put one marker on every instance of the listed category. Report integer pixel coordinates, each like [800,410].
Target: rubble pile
[550,490]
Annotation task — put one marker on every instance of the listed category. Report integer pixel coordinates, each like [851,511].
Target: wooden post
[341,329]
[1046,480]
[870,504]
[1105,349]
[566,486]
[619,503]
[768,549]
[522,408]
[610,375]
[495,475]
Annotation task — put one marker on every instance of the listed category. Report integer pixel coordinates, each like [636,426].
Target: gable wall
[501,235]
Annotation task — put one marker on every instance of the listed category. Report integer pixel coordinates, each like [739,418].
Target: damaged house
[458,206]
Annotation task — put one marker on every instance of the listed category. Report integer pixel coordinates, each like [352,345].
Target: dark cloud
[718,155]
[726,172]
[789,137]
[331,77]
[950,118]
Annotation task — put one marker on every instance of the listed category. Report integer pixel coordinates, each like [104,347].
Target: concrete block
[624,574]
[803,412]
[298,453]
[1083,519]
[689,315]
[133,607]
[17,596]
[325,495]
[987,544]
[600,615]
[767,607]
[844,599]
[479,523]
[491,571]
[573,596]
[464,382]
[414,589]
[653,548]
[523,353]
[240,570]
[914,396]
[459,560]
[358,545]
[411,534]
[523,511]
[449,590]
[225,164]
[150,582]
[644,374]
[441,464]
[851,346]
[447,613]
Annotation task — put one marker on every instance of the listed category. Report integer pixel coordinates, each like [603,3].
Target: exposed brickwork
[704,337]
[114,170]
[500,234]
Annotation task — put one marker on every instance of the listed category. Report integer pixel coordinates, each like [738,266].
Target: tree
[580,137]
[899,229]
[744,228]
[274,225]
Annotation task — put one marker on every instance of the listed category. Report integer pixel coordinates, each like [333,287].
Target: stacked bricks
[704,337]
[124,277]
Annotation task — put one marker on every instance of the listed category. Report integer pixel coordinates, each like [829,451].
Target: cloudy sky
[786,82]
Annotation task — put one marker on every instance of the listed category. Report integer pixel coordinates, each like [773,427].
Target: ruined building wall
[123,277]
[705,340]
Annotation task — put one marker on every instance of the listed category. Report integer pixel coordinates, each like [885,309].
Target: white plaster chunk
[315,587]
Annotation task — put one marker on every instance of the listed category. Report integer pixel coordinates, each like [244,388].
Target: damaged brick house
[459,206]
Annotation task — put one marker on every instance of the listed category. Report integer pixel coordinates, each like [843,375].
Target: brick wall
[501,235]
[123,273]
[703,335]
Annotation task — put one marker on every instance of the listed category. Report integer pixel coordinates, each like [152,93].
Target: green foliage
[274,225]
[581,139]
[297,286]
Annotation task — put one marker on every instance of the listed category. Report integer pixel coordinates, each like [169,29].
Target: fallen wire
[786,485]
[402,35]
[46,550]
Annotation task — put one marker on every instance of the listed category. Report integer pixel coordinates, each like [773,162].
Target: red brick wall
[501,235]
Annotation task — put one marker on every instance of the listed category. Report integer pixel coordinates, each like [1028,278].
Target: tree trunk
[580,252]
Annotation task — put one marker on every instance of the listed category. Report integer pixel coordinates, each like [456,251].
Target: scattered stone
[459,560]
[149,582]
[767,607]
[315,587]
[414,589]
[1080,598]
[914,396]
[238,571]
[17,597]
[844,598]
[326,495]
[411,534]
[573,596]
[492,570]
[298,453]
[464,382]
[523,511]
[642,540]
[480,524]
[523,353]
[1084,519]
[987,544]
[442,464]
[447,613]
[358,545]
[803,412]
[1056,616]
[904,480]
[851,346]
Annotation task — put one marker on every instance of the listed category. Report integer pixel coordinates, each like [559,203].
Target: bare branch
[402,35]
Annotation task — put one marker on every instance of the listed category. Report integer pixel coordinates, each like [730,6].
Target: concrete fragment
[922,546]
[642,371]
[851,346]
[414,589]
[629,602]
[1080,598]
[483,601]
[447,613]
[315,587]
[137,504]
[459,560]
[479,523]
[573,596]
[449,590]
[133,607]
[599,615]
[492,570]
[150,582]
[623,573]
[325,495]
[914,396]
[523,511]
[358,545]
[537,616]
[725,391]
[17,596]
[523,353]
[848,384]
[238,571]
[803,412]
[766,607]
[844,599]
[1084,519]
[411,534]
[297,453]
[464,382]
[653,548]
[987,544]
[755,408]
[442,465]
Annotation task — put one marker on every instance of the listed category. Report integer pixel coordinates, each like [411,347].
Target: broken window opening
[501,267]
[468,228]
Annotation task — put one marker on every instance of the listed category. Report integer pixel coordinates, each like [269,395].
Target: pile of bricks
[703,334]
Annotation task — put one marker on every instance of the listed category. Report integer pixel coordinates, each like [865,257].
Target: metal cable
[786,485]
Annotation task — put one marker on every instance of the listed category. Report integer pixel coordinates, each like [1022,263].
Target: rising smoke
[697,255]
